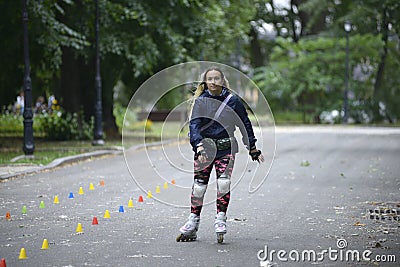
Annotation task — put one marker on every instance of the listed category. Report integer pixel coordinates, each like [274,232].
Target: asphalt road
[322,185]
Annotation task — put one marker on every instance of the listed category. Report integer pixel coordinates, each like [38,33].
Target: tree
[138,38]
[375,84]
[371,17]
[307,75]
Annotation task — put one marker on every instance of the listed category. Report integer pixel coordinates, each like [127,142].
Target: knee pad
[199,189]
[224,183]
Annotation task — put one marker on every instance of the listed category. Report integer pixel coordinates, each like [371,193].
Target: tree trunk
[381,68]
[292,18]
[318,25]
[257,57]
[110,126]
[69,82]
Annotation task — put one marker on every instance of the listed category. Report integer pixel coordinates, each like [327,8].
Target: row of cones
[91,187]
[45,244]
[22,253]
[158,189]
[56,200]
[79,229]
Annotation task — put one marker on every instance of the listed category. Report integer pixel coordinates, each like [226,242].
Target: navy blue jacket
[234,114]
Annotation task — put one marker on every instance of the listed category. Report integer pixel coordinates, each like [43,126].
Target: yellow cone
[79,228]
[165,185]
[130,203]
[22,254]
[107,214]
[81,191]
[149,194]
[45,244]
[91,186]
[56,201]
[158,190]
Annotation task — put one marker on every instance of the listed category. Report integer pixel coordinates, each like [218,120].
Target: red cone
[140,199]
[3,263]
[94,222]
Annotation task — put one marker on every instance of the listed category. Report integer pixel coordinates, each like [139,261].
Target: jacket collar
[224,93]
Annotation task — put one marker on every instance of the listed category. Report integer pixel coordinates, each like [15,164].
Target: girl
[215,114]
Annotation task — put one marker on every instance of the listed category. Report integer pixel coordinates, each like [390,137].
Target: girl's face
[214,82]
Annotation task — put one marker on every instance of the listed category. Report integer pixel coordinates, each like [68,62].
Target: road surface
[317,198]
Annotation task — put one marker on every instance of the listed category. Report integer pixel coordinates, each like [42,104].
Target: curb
[59,162]
[81,157]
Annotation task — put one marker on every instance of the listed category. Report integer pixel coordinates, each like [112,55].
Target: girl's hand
[256,154]
[201,154]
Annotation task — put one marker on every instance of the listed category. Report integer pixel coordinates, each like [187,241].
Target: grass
[46,151]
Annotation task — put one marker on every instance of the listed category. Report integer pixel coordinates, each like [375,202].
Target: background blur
[295,51]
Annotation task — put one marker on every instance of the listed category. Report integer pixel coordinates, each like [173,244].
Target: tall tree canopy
[137,39]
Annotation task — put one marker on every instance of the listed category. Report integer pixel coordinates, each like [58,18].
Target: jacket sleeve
[195,125]
[245,126]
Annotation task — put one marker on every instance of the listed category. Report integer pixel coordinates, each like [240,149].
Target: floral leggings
[202,173]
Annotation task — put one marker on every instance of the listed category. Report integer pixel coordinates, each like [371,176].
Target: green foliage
[304,65]
[13,125]
[65,126]
[308,75]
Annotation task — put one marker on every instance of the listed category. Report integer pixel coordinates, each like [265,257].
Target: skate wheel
[183,238]
[179,238]
[220,238]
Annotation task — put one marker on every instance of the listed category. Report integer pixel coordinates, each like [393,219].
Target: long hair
[202,86]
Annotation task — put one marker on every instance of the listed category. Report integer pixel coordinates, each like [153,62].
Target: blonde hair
[201,87]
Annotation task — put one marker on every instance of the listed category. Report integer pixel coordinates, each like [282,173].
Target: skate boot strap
[220,223]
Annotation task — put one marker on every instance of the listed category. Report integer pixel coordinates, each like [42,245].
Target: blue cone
[71,195]
[121,209]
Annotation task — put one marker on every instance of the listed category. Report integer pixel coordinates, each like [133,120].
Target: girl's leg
[224,167]
[201,178]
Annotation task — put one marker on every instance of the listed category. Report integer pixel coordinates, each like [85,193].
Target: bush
[65,126]
[13,125]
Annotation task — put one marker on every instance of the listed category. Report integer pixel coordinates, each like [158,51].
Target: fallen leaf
[377,245]
[359,224]
[304,163]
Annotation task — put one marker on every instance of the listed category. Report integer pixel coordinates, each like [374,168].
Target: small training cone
[107,214]
[140,199]
[41,206]
[8,216]
[24,211]
[158,190]
[173,181]
[91,186]
[81,191]
[56,200]
[165,185]
[95,221]
[71,195]
[79,228]
[22,254]
[45,244]
[3,262]
[149,194]
[102,183]
[121,209]
[130,203]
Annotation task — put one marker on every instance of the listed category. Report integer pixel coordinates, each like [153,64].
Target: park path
[320,189]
